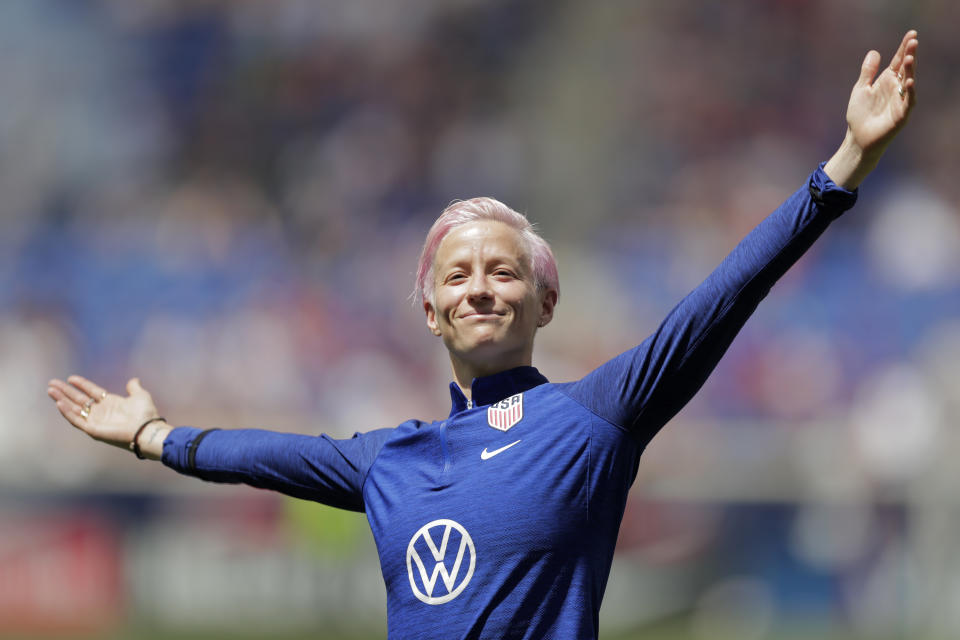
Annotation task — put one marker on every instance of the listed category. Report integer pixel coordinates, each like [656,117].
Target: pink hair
[460,212]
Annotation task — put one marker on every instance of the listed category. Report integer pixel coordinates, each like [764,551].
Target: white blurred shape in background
[832,536]
[914,239]
[896,422]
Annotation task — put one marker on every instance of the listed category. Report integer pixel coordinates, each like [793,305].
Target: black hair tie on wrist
[134,444]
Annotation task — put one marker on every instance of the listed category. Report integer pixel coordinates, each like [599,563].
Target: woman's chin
[493,351]
[482,345]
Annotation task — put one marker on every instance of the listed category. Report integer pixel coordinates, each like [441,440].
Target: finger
[67,408]
[134,387]
[70,393]
[93,390]
[910,80]
[869,68]
[897,58]
[58,395]
[906,76]
[909,71]
[909,67]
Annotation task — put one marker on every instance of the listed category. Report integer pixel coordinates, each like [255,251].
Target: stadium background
[226,198]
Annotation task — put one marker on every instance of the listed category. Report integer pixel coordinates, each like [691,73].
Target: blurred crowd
[227,199]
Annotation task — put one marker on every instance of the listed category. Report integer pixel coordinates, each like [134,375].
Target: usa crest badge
[506,413]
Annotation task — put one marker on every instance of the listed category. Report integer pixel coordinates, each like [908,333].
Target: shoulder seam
[376,458]
[619,427]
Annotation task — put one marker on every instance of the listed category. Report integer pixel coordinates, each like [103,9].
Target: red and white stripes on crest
[506,413]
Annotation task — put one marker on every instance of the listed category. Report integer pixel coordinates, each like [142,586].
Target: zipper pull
[470,404]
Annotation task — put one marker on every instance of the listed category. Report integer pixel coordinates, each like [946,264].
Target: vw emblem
[447,542]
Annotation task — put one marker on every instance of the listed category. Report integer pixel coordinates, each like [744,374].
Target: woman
[501,520]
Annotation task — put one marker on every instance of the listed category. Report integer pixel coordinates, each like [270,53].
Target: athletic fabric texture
[500,521]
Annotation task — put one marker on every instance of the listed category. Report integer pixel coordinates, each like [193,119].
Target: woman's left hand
[879,107]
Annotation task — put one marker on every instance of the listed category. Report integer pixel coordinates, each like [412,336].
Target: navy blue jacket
[501,520]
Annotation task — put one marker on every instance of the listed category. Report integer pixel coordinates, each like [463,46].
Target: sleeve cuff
[176,446]
[826,193]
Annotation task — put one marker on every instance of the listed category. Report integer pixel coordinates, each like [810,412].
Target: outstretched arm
[323,469]
[109,417]
[879,107]
[641,389]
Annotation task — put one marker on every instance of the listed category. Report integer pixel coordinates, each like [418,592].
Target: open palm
[107,417]
[880,104]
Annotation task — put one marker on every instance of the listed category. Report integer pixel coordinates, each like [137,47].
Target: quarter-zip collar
[494,388]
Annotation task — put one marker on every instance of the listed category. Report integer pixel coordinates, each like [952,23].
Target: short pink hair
[460,212]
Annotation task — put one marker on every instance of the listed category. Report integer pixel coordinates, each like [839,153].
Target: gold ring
[84,413]
[103,396]
[901,91]
[88,404]
[899,76]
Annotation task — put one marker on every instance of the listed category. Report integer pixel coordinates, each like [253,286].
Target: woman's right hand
[109,417]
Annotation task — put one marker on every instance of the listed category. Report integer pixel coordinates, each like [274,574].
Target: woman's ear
[547,303]
[431,318]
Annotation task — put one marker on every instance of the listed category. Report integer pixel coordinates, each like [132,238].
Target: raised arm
[641,389]
[879,107]
[123,422]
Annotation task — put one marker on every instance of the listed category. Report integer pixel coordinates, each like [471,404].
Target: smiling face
[485,305]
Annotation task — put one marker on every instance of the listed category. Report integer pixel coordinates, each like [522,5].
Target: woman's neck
[464,372]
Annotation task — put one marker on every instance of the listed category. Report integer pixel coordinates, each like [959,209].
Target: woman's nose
[479,288]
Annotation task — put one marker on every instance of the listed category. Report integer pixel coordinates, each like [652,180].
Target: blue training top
[501,520]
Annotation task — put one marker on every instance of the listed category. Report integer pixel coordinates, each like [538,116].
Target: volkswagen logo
[448,545]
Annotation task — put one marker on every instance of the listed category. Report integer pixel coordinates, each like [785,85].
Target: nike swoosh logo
[486,455]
